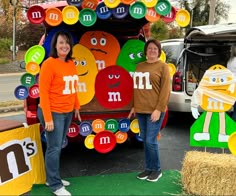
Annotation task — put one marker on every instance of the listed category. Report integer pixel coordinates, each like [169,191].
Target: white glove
[195,112]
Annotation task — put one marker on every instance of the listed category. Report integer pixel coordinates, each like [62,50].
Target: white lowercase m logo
[139,77]
[36,15]
[70,83]
[105,140]
[87,17]
[138,10]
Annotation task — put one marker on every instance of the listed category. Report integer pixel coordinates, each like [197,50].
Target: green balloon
[131,53]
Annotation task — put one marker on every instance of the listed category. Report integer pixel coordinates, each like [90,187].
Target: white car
[202,47]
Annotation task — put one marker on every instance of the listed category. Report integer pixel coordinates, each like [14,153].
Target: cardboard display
[132,52]
[87,70]
[215,94]
[114,87]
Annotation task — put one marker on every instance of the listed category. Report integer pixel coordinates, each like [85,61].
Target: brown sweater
[151,87]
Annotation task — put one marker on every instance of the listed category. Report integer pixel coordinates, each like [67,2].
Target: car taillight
[177,81]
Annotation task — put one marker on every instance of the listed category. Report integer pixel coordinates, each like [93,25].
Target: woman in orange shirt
[58,81]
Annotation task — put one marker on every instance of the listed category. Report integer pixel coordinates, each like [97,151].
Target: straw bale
[206,173]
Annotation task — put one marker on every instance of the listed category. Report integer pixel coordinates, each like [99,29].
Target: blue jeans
[148,132]
[55,140]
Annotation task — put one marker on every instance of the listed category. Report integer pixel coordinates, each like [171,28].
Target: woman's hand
[49,126]
[132,112]
[77,115]
[155,115]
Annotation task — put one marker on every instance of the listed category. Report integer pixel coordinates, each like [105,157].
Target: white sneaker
[64,182]
[201,136]
[223,138]
[62,192]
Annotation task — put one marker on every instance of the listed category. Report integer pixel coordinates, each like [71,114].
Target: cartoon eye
[212,79]
[94,41]
[110,76]
[83,62]
[222,79]
[131,56]
[76,62]
[117,76]
[103,41]
[140,55]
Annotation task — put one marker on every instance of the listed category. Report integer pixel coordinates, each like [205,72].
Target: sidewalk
[15,108]
[12,67]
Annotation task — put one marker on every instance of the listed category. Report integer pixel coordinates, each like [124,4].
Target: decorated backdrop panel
[114,87]
[104,46]
[132,52]
[87,71]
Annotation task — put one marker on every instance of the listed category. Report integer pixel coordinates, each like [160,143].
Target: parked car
[202,47]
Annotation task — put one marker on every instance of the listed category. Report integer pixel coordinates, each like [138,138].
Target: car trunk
[206,46]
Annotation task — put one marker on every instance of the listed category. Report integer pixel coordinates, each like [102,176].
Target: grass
[8,57]
[4,60]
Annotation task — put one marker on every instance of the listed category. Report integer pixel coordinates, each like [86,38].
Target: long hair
[69,40]
[154,41]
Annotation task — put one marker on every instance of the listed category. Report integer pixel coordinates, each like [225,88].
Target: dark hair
[69,40]
[154,41]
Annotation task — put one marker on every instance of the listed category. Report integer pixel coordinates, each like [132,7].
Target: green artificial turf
[119,184]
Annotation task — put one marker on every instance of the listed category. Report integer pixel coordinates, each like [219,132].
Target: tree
[159,30]
[201,9]
[35,31]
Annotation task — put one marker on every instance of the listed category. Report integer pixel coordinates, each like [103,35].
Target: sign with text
[21,160]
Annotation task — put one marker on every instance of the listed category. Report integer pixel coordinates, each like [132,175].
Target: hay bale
[206,173]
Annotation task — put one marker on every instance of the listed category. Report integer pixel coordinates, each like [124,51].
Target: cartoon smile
[83,74]
[98,50]
[114,85]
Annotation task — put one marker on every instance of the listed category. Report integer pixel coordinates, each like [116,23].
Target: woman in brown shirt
[151,95]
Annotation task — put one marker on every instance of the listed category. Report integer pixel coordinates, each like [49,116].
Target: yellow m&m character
[215,93]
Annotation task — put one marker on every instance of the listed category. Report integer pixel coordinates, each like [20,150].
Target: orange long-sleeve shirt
[58,87]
